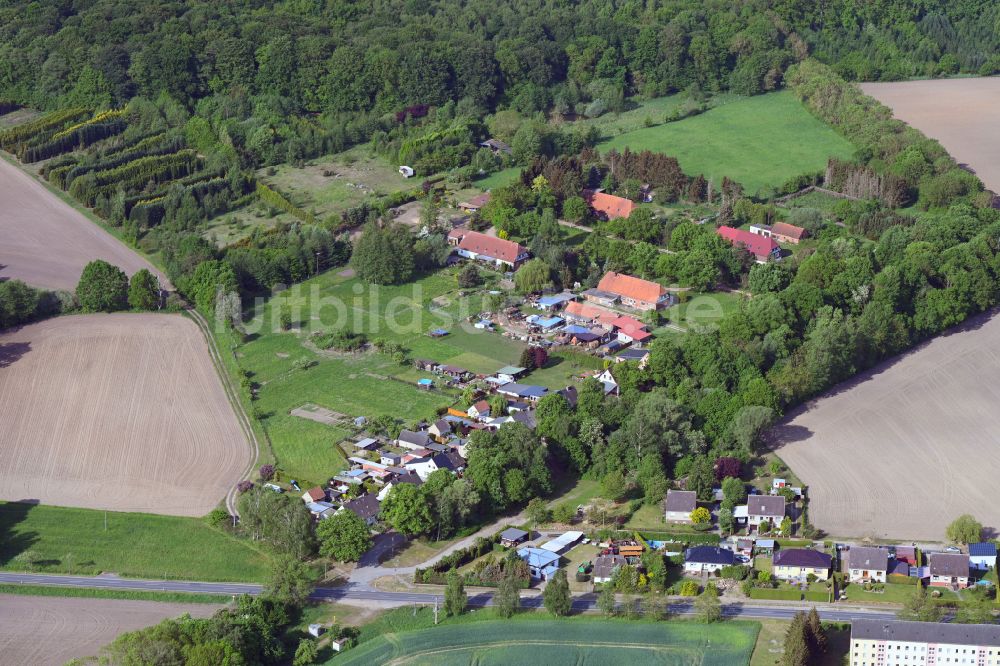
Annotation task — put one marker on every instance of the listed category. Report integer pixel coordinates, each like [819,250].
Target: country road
[581,603]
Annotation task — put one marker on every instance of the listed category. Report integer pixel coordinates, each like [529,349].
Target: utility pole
[435,610]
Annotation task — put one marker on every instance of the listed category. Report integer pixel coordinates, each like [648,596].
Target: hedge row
[900,579]
[10,139]
[98,119]
[135,175]
[683,537]
[775,595]
[817,595]
[85,135]
[115,160]
[278,200]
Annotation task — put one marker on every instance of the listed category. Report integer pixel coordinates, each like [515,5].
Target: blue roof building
[983,556]
[546,302]
[542,563]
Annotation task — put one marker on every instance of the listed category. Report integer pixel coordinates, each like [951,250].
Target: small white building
[406,171]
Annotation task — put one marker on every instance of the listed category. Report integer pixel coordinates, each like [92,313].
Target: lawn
[65,540]
[758,141]
[771,645]
[575,640]
[365,383]
[498,179]
[700,311]
[581,493]
[645,114]
[648,517]
[564,369]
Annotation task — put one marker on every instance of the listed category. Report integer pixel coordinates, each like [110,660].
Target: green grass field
[700,311]
[140,545]
[97,593]
[365,384]
[498,179]
[578,640]
[758,141]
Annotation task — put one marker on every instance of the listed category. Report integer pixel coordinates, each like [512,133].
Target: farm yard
[558,642]
[959,113]
[120,412]
[47,242]
[904,449]
[758,141]
[46,631]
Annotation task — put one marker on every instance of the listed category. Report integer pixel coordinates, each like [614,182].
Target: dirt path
[47,242]
[45,631]
[121,412]
[902,450]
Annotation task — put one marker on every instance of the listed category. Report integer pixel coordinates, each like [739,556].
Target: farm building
[512,536]
[562,542]
[498,251]
[556,301]
[605,567]
[542,563]
[634,292]
[608,206]
[475,203]
[780,231]
[763,249]
[983,556]
[866,564]
[707,559]
[680,504]
[949,570]
[799,563]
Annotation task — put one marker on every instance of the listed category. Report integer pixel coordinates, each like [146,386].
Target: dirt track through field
[53,630]
[121,412]
[46,242]
[960,113]
[903,450]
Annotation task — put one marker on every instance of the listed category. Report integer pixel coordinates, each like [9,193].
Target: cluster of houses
[378,466]
[542,560]
[765,511]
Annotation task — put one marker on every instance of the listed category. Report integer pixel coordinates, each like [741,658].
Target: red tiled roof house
[634,292]
[608,206]
[475,245]
[763,249]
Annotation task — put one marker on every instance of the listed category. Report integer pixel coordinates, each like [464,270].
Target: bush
[689,588]
[102,287]
[735,572]
[339,340]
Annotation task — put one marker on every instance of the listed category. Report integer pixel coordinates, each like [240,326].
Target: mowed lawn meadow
[359,384]
[49,539]
[758,141]
[578,640]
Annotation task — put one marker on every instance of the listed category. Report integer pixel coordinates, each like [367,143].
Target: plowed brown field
[47,242]
[53,630]
[901,451]
[122,412]
[960,113]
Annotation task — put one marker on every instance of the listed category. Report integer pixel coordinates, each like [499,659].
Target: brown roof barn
[631,287]
[488,246]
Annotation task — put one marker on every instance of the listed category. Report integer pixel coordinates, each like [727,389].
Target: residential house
[365,507]
[640,356]
[408,439]
[478,246]
[896,643]
[983,556]
[440,430]
[390,458]
[497,147]
[512,536]
[455,372]
[526,418]
[949,570]
[427,465]
[541,563]
[609,382]
[763,249]
[480,411]
[608,206]
[475,203]
[680,504]
[316,494]
[634,292]
[798,563]
[510,374]
[526,392]
[765,509]
[631,330]
[605,567]
[866,564]
[707,559]
[397,480]
[780,231]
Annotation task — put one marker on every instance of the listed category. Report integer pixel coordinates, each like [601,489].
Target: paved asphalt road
[587,602]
